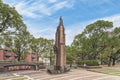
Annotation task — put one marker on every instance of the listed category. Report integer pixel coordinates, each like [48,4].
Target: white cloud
[41,30]
[115,19]
[77,28]
[60,5]
[52,1]
[46,33]
[45,8]
[34,9]
[72,30]
[50,9]
[25,10]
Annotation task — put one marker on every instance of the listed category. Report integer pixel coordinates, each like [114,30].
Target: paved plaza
[74,74]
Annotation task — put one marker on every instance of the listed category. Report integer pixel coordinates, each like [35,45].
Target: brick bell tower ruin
[60,51]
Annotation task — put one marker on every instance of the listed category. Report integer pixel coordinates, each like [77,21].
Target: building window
[16,57]
[7,56]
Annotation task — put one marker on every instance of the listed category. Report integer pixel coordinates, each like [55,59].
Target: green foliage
[19,40]
[71,55]
[88,62]
[1,1]
[97,41]
[9,17]
[91,42]
[15,37]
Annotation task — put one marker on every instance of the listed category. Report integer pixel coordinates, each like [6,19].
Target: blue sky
[42,16]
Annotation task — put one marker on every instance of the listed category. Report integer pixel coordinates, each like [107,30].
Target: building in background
[31,57]
[6,54]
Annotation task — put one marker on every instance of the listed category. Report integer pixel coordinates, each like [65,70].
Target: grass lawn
[111,71]
[15,78]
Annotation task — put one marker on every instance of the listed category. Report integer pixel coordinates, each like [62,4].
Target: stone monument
[60,53]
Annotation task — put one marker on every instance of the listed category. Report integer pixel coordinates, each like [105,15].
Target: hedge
[88,62]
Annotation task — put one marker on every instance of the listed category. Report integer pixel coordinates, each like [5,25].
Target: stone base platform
[57,70]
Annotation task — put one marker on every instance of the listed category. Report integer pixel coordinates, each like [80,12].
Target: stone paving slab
[75,74]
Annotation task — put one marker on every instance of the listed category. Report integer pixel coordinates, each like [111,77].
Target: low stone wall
[57,70]
[19,67]
[10,66]
[1,69]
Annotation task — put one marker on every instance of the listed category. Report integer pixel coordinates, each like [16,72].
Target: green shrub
[88,62]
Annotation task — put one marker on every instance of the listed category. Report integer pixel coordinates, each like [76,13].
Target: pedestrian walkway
[75,74]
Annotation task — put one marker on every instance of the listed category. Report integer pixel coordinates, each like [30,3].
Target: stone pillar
[60,47]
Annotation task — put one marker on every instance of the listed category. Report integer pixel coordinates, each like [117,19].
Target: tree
[9,17]
[50,50]
[71,55]
[1,41]
[92,42]
[21,44]
[41,46]
[80,45]
[115,46]
[0,1]
[96,33]
[98,41]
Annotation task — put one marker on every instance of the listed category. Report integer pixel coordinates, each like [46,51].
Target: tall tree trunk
[110,60]
[19,54]
[50,57]
[82,56]
[37,57]
[50,60]
[113,64]
[101,61]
